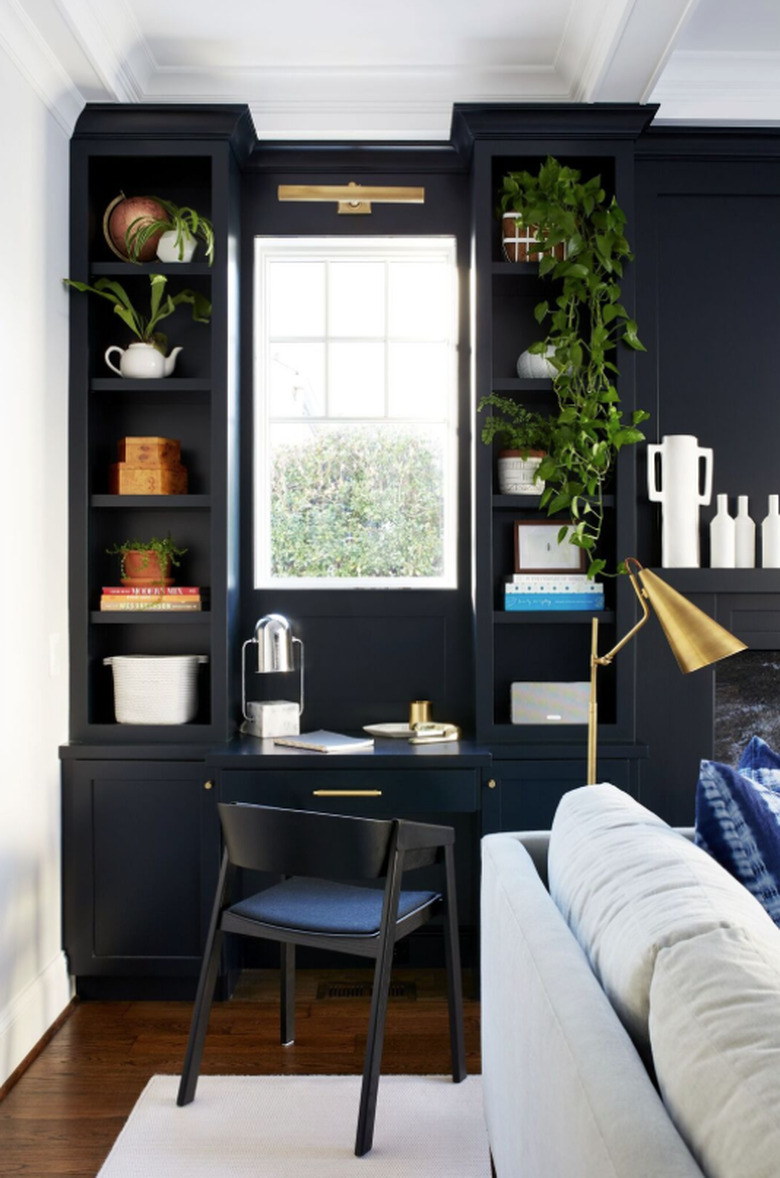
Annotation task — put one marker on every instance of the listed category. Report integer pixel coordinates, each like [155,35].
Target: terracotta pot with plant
[525,435]
[146,563]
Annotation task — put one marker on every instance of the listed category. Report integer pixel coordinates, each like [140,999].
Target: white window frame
[269,249]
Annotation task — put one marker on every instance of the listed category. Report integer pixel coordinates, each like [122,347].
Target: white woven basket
[155,688]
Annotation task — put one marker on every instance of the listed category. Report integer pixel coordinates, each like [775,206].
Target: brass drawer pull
[346,793]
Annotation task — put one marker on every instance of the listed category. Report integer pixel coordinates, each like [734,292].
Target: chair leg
[200,1019]
[376,1023]
[454,979]
[287,987]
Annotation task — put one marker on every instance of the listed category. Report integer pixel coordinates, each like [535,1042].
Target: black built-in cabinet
[140,830]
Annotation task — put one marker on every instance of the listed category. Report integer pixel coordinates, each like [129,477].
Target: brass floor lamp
[696,640]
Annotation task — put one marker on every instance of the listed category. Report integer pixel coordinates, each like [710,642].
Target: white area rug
[302,1127]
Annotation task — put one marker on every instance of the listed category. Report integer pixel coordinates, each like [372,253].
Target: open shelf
[521,384]
[124,617]
[165,384]
[546,617]
[119,269]
[154,501]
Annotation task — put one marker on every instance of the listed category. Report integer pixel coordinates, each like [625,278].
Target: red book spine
[150,590]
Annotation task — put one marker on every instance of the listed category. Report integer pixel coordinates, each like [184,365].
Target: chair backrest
[303,842]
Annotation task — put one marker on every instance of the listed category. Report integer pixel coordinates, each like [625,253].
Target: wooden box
[146,452]
[134,480]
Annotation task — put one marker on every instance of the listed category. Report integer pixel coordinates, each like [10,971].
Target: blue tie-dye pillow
[738,823]
[759,756]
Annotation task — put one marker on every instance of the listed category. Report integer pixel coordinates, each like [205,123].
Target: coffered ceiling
[361,69]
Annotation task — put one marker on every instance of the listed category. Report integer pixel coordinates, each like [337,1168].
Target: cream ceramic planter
[516,473]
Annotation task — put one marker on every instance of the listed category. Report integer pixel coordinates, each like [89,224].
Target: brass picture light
[696,640]
[352,197]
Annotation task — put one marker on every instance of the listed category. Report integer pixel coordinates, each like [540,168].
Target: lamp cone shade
[696,640]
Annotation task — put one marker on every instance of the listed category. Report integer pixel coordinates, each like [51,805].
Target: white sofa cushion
[565,1092]
[628,886]
[715,1037]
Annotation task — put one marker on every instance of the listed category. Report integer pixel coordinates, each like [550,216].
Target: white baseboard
[27,1018]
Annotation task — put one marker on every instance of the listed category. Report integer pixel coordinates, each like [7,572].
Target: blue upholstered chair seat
[325,907]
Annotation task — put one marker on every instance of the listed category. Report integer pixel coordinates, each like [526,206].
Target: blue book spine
[517,602]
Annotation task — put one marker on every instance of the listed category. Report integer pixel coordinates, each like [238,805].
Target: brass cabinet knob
[208,784]
[492,783]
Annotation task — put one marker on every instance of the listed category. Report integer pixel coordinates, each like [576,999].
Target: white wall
[34,985]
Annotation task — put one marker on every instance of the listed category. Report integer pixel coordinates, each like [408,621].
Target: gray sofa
[612,1046]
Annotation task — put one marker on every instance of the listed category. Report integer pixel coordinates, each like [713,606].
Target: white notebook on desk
[326,742]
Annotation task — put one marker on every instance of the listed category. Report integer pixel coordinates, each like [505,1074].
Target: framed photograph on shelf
[537,549]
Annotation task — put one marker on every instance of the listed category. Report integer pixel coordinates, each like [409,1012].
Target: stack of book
[172,597]
[549,591]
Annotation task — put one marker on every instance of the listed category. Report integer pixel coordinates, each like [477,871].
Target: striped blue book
[516,602]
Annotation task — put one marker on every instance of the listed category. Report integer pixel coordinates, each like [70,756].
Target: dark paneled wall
[707,252]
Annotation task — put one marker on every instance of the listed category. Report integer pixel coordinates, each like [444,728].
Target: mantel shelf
[721,580]
[157,501]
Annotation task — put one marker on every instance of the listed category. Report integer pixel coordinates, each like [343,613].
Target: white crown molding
[111,40]
[615,50]
[33,57]
[720,87]
[403,102]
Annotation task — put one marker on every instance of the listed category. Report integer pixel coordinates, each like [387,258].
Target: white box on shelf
[550,703]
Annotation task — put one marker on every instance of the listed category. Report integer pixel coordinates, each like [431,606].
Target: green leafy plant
[585,322]
[357,503]
[161,306]
[164,550]
[184,220]
[522,429]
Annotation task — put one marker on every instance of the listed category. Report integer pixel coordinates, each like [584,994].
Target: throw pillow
[738,823]
[715,1036]
[628,885]
[758,756]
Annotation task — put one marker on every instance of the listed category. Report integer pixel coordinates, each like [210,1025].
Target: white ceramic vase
[770,535]
[745,536]
[723,537]
[680,493]
[168,250]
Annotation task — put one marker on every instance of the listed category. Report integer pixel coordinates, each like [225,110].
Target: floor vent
[407,990]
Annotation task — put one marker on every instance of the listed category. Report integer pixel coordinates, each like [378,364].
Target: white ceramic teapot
[142,361]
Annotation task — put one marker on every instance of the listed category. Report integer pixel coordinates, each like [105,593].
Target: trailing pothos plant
[585,322]
[160,307]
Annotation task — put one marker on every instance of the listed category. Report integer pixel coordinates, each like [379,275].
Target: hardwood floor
[63,1115]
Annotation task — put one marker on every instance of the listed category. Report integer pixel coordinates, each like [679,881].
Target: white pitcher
[680,495]
[141,361]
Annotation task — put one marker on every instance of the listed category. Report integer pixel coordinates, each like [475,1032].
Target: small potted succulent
[525,435]
[175,234]
[147,562]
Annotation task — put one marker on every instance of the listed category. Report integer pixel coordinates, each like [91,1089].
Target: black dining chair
[314,853]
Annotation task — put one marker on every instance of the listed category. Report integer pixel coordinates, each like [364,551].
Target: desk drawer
[371,793]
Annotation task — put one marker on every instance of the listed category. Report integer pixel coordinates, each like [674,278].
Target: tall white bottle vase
[770,535]
[746,536]
[723,536]
[680,493]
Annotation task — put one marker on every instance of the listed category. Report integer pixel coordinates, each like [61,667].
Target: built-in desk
[444,783]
